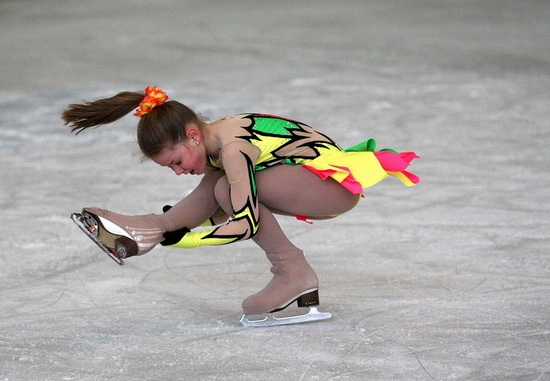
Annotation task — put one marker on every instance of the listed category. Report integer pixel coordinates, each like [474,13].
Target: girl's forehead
[168,155]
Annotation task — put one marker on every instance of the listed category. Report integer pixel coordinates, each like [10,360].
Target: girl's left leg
[146,231]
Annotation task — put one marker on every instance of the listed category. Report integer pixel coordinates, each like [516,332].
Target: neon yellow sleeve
[244,223]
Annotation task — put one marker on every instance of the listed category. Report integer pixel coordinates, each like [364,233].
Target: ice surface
[446,281]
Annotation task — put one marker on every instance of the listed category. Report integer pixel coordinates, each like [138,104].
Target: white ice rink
[449,280]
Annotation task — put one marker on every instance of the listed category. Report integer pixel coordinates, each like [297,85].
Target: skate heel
[309,299]
[125,247]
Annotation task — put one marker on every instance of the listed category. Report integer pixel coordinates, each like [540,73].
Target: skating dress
[285,141]
[262,141]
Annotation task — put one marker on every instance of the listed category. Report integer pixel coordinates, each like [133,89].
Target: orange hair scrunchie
[153,97]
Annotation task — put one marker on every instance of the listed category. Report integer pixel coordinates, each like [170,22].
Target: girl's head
[162,123]
[164,126]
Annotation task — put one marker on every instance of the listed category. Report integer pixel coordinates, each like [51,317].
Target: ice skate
[293,281]
[111,232]
[309,298]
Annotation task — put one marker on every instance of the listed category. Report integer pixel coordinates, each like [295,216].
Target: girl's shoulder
[259,121]
[231,126]
[231,129]
[251,117]
[236,121]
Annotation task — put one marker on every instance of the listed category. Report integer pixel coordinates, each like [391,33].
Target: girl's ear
[193,132]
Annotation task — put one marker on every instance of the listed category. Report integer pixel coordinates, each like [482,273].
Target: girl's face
[185,158]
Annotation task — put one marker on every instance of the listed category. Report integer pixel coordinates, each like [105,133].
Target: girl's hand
[171,238]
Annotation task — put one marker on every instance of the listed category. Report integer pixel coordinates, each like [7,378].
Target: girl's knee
[346,204]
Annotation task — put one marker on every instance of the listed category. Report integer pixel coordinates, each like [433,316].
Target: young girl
[253,166]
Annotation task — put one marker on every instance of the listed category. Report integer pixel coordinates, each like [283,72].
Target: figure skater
[253,166]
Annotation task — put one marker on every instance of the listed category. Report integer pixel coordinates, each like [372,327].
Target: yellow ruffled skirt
[360,166]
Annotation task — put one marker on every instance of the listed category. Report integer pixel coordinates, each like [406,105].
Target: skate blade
[80,221]
[271,320]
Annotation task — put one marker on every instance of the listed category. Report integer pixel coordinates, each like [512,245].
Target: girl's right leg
[291,190]
[293,277]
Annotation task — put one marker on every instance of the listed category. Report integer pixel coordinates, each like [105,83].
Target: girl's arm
[197,207]
[238,160]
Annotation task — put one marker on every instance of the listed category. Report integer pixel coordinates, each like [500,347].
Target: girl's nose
[178,170]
